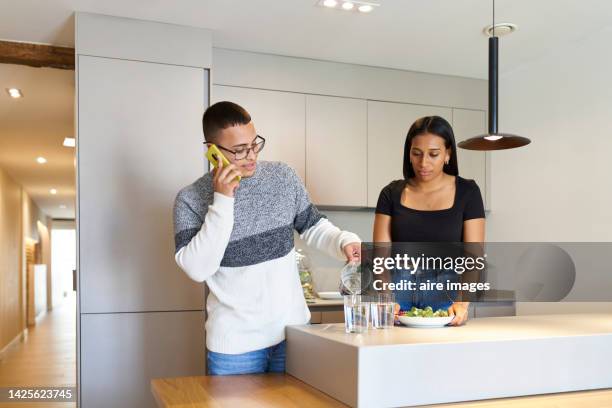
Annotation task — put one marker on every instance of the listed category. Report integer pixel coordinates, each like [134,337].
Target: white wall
[63,261]
[558,188]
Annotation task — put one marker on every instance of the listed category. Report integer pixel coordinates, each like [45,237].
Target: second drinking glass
[382,311]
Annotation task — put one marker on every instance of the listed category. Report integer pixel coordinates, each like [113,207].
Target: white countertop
[494,357]
[476,330]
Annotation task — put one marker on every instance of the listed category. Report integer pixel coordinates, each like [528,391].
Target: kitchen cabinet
[332,317]
[140,141]
[142,87]
[326,311]
[122,360]
[472,164]
[278,116]
[336,150]
[388,125]
[345,149]
[315,317]
[327,317]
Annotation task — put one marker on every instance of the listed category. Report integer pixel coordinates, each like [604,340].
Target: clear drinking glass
[356,314]
[382,311]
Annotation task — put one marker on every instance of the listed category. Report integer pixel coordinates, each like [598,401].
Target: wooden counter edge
[588,399]
[155,391]
[261,390]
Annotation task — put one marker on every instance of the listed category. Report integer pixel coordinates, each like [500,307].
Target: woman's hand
[460,311]
[396,311]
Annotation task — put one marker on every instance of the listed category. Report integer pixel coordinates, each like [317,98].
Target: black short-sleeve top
[410,225]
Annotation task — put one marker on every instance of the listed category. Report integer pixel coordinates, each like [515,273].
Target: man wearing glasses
[237,235]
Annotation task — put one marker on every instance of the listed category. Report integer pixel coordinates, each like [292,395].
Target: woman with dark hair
[432,203]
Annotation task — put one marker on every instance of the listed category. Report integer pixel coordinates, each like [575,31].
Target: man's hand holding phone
[226,179]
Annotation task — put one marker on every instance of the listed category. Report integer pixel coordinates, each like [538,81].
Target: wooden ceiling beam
[36,55]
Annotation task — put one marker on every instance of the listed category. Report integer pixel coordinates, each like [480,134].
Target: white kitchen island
[487,358]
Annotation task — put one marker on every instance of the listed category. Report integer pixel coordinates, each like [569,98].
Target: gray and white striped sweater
[243,248]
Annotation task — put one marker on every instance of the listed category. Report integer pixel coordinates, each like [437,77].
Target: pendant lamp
[493,140]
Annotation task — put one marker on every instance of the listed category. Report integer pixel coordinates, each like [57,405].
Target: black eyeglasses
[242,152]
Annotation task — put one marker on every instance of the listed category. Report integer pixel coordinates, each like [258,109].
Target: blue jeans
[423,298]
[266,360]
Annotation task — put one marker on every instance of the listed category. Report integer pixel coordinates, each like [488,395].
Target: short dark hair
[436,126]
[222,115]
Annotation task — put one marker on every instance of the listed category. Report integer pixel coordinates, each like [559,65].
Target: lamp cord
[493,18]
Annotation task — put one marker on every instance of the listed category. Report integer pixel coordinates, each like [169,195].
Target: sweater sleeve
[328,238]
[200,245]
[314,228]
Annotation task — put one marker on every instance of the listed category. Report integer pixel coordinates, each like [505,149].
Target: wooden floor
[581,399]
[46,358]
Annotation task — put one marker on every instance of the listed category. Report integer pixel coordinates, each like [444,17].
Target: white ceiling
[36,125]
[440,36]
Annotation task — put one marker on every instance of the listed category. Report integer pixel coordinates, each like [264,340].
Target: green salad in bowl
[427,312]
[427,317]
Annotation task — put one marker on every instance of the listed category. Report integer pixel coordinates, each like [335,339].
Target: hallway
[47,357]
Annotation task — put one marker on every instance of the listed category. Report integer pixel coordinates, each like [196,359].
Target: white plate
[330,295]
[425,321]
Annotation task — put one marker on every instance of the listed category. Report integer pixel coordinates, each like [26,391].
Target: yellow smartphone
[214,155]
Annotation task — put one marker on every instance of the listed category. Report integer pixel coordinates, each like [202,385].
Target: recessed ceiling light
[69,142]
[14,92]
[501,29]
[41,160]
[62,206]
[349,5]
[53,191]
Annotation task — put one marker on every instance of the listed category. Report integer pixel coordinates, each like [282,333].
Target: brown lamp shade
[507,141]
[493,140]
